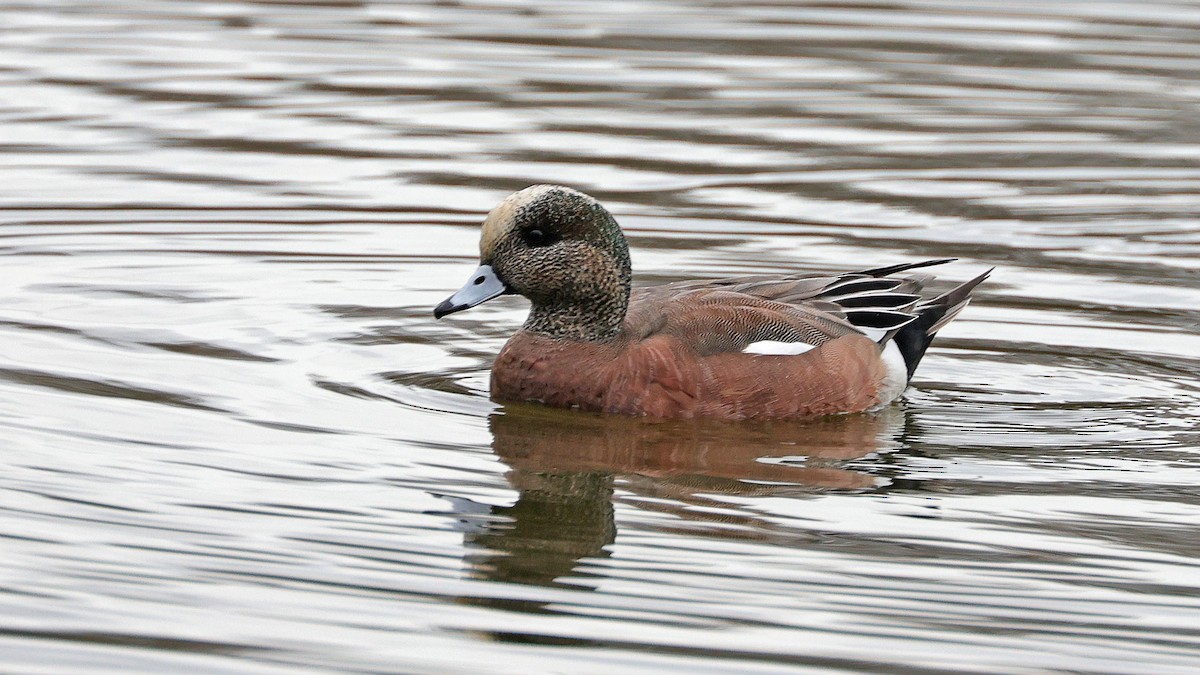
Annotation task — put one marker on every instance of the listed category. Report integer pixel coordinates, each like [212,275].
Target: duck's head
[560,249]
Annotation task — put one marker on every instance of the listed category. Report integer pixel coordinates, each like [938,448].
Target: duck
[787,346]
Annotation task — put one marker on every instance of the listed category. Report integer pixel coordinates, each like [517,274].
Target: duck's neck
[596,320]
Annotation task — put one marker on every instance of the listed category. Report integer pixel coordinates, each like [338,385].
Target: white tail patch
[895,379]
[777,348]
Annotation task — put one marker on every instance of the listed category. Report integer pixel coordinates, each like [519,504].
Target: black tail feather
[913,339]
[903,267]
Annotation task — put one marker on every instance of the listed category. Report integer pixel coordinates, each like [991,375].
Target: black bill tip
[447,307]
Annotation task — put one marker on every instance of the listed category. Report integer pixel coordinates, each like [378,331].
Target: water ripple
[237,441]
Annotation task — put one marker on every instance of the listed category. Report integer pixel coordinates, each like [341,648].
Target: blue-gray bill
[481,287]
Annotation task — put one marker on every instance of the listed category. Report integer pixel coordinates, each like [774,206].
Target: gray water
[235,440]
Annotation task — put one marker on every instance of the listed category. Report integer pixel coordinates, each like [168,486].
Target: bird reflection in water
[568,468]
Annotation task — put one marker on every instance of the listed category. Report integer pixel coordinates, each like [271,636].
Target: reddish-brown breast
[661,376]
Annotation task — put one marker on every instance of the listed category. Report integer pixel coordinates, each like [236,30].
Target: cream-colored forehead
[503,217]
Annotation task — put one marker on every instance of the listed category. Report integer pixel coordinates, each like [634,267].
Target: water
[235,440]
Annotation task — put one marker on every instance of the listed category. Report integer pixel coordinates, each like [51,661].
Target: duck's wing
[792,314]
[731,314]
[797,287]
[715,320]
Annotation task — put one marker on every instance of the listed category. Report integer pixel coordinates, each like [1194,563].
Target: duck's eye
[536,237]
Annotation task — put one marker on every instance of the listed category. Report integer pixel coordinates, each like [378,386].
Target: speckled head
[564,252]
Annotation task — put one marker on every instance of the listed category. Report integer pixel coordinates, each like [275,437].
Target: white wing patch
[777,348]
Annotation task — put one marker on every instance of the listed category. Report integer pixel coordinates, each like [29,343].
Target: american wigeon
[791,346]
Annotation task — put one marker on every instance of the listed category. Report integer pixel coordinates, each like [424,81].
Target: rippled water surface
[235,439]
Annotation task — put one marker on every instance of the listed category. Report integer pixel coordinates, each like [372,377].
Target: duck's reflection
[567,468]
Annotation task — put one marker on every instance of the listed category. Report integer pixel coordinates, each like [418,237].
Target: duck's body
[663,377]
[754,347]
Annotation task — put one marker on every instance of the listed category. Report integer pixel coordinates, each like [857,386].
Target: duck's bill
[481,287]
